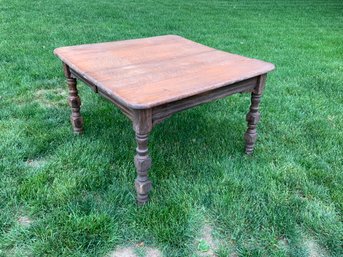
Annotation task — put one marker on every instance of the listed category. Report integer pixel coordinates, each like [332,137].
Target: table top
[143,73]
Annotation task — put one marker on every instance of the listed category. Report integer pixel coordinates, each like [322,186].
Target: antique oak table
[150,79]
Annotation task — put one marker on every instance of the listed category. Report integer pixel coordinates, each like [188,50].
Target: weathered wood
[74,102]
[151,79]
[142,125]
[260,84]
[150,72]
[127,111]
[252,118]
[164,111]
[85,80]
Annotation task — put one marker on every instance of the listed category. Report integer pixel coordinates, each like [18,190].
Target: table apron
[126,110]
[159,113]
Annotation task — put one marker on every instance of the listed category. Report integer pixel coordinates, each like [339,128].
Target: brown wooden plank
[144,73]
[121,44]
[160,70]
[176,88]
[97,57]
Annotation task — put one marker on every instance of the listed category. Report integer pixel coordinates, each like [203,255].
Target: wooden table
[150,79]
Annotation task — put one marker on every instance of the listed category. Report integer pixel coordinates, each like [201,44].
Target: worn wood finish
[164,111]
[149,72]
[127,111]
[74,102]
[253,116]
[150,79]
[142,125]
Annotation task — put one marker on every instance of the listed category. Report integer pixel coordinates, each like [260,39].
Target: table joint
[126,110]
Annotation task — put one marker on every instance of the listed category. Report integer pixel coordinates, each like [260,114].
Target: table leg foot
[252,118]
[142,163]
[74,102]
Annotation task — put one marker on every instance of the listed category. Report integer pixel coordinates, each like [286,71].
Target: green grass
[78,191]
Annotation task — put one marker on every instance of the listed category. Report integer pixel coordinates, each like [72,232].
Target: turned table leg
[142,163]
[142,126]
[253,116]
[74,102]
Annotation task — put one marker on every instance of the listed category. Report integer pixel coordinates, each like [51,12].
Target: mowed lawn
[66,195]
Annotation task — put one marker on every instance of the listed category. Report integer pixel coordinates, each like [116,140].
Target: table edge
[139,106]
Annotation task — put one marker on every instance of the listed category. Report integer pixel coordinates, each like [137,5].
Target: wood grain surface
[148,72]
